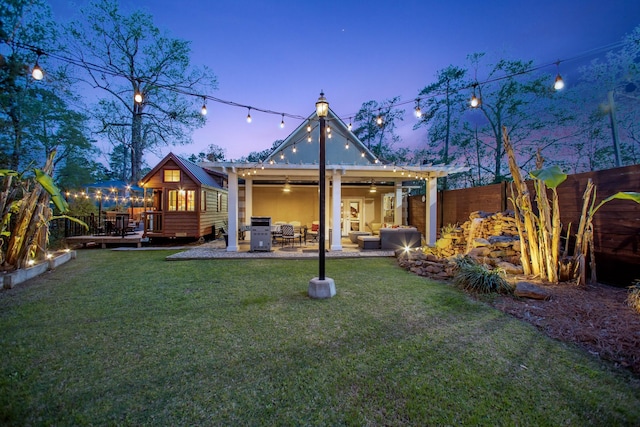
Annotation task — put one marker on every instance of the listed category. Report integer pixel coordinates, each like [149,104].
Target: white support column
[431,211]
[232,225]
[397,211]
[248,203]
[336,238]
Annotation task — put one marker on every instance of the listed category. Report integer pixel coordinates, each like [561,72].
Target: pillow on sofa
[315,227]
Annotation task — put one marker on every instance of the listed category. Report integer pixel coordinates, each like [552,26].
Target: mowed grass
[127,338]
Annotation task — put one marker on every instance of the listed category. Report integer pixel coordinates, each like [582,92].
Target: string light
[559,83]
[249,115]
[107,71]
[379,119]
[287,186]
[474,102]
[346,144]
[294,149]
[309,127]
[137,97]
[203,110]
[282,122]
[309,137]
[37,72]
[418,112]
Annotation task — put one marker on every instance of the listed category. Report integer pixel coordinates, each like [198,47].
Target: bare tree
[127,55]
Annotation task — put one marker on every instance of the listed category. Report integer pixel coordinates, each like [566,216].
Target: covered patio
[363,192]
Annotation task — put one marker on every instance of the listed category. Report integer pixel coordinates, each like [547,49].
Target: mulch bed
[595,317]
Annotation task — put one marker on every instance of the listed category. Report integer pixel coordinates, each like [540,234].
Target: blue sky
[278,55]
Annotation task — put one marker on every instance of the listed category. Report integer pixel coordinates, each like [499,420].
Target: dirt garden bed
[595,317]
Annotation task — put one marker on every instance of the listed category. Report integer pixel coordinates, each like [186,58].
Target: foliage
[475,277]
[633,297]
[379,138]
[441,113]
[238,342]
[258,156]
[157,66]
[214,153]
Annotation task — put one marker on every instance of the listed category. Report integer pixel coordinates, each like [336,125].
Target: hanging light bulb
[350,125]
[294,148]
[328,129]
[37,72]
[418,111]
[372,187]
[138,97]
[559,83]
[203,110]
[282,122]
[474,102]
[394,168]
[346,145]
[287,186]
[379,119]
[309,127]
[362,154]
[249,115]
[309,137]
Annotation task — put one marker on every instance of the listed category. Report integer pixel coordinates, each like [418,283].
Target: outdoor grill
[260,233]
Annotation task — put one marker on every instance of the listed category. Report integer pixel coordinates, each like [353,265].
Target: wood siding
[191,224]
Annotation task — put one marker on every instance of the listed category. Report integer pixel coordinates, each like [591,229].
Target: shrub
[633,299]
[475,277]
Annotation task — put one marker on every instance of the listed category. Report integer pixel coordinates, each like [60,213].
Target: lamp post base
[322,288]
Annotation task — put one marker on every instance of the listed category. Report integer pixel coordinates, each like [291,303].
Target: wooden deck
[134,238]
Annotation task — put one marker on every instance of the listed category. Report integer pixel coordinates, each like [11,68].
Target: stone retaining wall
[491,238]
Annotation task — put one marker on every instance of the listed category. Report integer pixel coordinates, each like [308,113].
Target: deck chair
[288,234]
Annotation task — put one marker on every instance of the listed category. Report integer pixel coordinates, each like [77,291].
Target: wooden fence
[616,224]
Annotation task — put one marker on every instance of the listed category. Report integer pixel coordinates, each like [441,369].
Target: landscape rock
[510,268]
[529,290]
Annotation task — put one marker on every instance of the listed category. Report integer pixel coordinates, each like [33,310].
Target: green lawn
[127,338]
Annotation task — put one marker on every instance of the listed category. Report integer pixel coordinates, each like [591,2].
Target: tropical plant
[25,213]
[633,298]
[475,277]
[540,233]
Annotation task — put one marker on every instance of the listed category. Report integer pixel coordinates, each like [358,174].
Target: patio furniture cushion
[368,242]
[353,235]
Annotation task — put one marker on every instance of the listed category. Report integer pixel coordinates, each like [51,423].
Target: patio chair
[313,232]
[289,235]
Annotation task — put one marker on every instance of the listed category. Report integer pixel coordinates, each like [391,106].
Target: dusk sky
[278,55]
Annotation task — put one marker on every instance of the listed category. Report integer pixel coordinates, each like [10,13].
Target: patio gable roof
[302,147]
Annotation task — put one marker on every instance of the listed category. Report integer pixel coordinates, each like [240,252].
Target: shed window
[172,175]
[182,200]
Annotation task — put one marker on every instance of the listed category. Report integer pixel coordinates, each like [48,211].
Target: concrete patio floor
[216,249]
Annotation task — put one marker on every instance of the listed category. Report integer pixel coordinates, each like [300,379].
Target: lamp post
[321,286]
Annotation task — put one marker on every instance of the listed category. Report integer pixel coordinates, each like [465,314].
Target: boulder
[510,268]
[529,290]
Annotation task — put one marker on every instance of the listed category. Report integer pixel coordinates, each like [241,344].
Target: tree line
[594,123]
